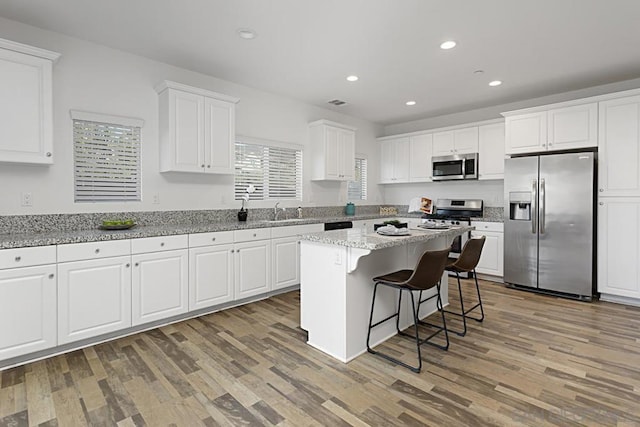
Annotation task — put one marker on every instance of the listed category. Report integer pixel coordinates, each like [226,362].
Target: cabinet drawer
[27,257]
[208,239]
[93,250]
[497,227]
[251,234]
[295,230]
[161,243]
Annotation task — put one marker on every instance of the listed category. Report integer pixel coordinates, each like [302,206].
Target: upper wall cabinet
[491,151]
[333,151]
[197,129]
[26,108]
[619,150]
[457,141]
[550,129]
[394,160]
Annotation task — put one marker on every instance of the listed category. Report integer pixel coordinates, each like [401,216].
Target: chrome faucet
[276,212]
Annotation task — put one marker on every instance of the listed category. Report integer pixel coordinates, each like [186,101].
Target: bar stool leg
[373,302]
[416,326]
[475,276]
[444,321]
[464,315]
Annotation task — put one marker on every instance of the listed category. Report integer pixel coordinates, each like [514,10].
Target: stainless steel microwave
[458,166]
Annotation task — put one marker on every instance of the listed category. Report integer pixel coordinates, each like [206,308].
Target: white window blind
[106,161]
[357,189]
[275,172]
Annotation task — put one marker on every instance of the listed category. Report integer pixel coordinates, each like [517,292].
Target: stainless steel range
[452,212]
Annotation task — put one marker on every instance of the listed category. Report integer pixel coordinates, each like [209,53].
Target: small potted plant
[242,213]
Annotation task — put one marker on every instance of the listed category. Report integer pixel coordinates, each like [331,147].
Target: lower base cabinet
[492,258]
[28,315]
[285,254]
[252,268]
[160,285]
[210,276]
[94,298]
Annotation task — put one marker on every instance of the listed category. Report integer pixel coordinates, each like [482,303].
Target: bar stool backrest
[429,269]
[470,256]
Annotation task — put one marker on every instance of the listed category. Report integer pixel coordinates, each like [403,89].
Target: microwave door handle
[534,206]
[464,168]
[542,206]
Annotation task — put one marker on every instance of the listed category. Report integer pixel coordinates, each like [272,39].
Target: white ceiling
[306,48]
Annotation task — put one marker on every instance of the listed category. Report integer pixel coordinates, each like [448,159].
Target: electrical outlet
[26,199]
[338,258]
[156,198]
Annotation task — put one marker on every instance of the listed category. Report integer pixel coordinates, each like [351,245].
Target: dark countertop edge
[23,240]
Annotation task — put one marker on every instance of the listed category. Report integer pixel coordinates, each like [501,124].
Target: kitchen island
[336,286]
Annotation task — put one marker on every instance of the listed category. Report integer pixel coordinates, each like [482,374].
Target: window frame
[363,184]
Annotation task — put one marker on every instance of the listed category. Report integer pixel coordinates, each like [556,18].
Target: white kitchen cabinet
[332,151]
[94,297]
[619,248]
[619,147]
[26,116]
[457,141]
[550,129]
[210,275]
[491,151]
[394,161]
[420,149]
[28,315]
[252,268]
[197,129]
[285,254]
[492,258]
[160,285]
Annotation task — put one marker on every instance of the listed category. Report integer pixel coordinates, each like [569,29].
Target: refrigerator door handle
[542,206]
[534,206]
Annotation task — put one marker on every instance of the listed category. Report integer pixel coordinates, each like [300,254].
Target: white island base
[336,290]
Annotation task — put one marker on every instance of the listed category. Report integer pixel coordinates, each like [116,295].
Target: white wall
[95,78]
[489,191]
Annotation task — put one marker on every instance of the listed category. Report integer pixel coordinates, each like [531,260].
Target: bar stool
[426,275]
[467,262]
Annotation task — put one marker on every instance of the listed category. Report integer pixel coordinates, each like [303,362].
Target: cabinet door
[420,148]
[465,140]
[573,127]
[491,151]
[387,161]
[187,128]
[210,276]
[26,108]
[160,285]
[28,315]
[619,147]
[618,248]
[491,260]
[285,254]
[526,133]
[347,155]
[332,153]
[252,268]
[443,143]
[94,297]
[219,136]
[401,163]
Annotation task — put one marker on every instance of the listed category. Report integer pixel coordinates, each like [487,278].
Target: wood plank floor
[536,360]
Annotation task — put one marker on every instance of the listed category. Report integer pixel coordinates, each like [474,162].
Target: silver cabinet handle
[254,234]
[136,264]
[201,166]
[213,239]
[208,166]
[542,205]
[97,250]
[601,203]
[534,207]
[232,251]
[161,244]
[18,258]
[127,265]
[51,276]
[602,190]
[48,154]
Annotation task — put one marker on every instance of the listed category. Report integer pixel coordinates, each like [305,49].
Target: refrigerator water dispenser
[520,206]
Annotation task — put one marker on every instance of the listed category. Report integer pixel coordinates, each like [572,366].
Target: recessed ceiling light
[410,103]
[352,78]
[449,44]
[495,83]
[247,33]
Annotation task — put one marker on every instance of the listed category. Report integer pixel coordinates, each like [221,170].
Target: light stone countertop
[368,239]
[26,239]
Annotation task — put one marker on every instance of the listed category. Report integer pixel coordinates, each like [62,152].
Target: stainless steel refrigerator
[549,230]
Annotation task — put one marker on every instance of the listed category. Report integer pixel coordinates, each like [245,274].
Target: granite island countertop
[368,239]
[45,238]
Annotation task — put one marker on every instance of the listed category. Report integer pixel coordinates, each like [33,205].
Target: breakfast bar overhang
[336,285]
